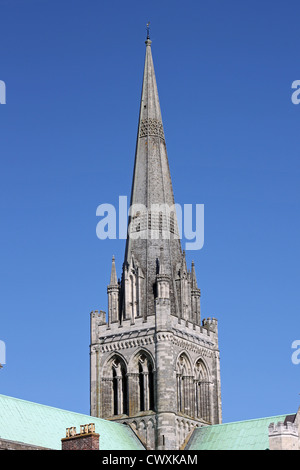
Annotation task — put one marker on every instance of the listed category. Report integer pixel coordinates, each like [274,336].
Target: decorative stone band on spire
[155,221]
[151,126]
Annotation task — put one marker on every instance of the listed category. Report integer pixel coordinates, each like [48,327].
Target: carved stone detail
[133,343]
[151,126]
[192,347]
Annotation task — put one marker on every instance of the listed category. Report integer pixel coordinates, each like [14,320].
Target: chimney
[87,439]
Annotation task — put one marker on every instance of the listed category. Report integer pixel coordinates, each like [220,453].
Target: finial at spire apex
[148,41]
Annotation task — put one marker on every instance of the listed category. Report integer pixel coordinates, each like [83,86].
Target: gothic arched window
[141,388]
[145,382]
[119,387]
[184,385]
[115,391]
[151,387]
[202,391]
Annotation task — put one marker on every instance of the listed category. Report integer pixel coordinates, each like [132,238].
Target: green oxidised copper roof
[242,435]
[45,426]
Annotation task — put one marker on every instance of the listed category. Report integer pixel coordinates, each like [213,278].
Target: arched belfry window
[202,392]
[141,388]
[151,387]
[145,383]
[119,387]
[184,385]
[134,282]
[115,392]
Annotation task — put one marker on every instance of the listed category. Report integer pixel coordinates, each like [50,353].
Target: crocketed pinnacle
[113,275]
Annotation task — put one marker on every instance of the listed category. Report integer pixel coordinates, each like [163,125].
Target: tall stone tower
[153,363]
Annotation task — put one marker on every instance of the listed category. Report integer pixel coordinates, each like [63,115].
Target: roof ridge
[247,420]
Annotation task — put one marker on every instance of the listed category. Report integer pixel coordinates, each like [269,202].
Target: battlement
[283,429]
[101,316]
[211,324]
[283,436]
[210,321]
[206,333]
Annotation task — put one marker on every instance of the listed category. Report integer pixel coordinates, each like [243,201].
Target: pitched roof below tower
[241,435]
[44,426]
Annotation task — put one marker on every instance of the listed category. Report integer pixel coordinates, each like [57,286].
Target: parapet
[283,436]
[101,316]
[283,429]
[210,324]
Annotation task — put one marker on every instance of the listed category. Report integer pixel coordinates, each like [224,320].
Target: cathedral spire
[152,221]
[153,363]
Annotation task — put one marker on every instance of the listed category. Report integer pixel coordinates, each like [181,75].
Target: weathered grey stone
[283,436]
[154,365]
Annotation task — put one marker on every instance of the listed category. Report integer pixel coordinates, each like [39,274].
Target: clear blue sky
[73,70]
